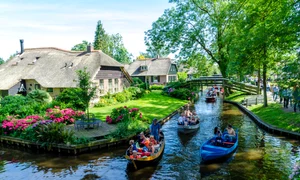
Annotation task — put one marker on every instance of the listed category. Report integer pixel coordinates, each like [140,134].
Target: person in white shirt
[181,119]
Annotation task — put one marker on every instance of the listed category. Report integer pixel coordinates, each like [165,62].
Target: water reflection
[259,155]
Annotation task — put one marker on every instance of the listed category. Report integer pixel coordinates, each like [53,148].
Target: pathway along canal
[259,156]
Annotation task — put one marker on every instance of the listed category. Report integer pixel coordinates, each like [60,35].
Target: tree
[182,76]
[1,61]
[118,50]
[101,41]
[196,27]
[111,45]
[86,86]
[81,46]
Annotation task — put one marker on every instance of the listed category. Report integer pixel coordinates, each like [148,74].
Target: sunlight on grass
[152,105]
[274,115]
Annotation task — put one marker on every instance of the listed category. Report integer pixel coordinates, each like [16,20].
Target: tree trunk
[265,84]
[258,78]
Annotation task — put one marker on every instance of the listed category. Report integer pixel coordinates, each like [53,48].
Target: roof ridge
[59,49]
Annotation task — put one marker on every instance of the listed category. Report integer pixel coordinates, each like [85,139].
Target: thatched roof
[52,67]
[156,67]
[190,70]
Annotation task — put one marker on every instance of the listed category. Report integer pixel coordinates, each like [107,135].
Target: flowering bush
[123,114]
[63,116]
[13,124]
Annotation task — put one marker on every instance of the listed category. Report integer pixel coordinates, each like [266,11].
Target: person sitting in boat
[141,138]
[135,155]
[216,130]
[152,140]
[181,119]
[195,117]
[230,133]
[187,121]
[219,139]
[154,130]
[187,112]
[132,147]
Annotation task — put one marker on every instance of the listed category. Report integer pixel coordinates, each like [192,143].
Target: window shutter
[158,78]
[151,78]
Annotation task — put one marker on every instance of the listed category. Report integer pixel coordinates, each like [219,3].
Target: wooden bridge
[224,82]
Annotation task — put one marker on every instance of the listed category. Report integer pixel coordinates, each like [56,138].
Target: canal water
[260,155]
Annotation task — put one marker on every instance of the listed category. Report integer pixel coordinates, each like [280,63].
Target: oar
[134,164]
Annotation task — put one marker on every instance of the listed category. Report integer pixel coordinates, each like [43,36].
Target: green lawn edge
[273,114]
[152,105]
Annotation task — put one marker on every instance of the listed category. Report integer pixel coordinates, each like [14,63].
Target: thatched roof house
[54,69]
[154,70]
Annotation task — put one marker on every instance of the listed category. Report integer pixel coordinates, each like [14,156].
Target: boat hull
[211,152]
[149,160]
[210,99]
[188,129]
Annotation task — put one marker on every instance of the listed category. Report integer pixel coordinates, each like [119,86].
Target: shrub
[19,106]
[63,116]
[156,87]
[183,93]
[39,96]
[123,114]
[71,98]
[121,97]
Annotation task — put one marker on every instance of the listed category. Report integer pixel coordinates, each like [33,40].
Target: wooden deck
[97,133]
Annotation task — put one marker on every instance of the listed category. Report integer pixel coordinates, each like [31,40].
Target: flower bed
[123,114]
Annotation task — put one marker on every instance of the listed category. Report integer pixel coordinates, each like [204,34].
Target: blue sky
[64,23]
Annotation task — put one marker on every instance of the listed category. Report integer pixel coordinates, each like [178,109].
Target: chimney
[90,48]
[22,46]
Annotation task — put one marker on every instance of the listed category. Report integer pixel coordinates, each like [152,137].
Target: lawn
[152,105]
[236,96]
[274,115]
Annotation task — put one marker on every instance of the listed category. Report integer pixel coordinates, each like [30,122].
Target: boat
[211,151]
[148,160]
[189,128]
[210,99]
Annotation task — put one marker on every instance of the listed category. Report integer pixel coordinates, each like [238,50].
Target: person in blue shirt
[154,129]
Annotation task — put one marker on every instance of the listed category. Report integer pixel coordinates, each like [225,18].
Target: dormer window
[144,68]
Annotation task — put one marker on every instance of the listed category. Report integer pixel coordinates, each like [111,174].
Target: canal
[260,155]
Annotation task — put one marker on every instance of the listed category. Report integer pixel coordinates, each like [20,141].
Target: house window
[155,79]
[116,85]
[172,78]
[110,86]
[101,86]
[49,89]
[144,68]
[37,86]
[173,68]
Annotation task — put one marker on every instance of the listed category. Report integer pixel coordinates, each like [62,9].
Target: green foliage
[54,133]
[137,82]
[182,76]
[86,86]
[120,97]
[112,45]
[1,61]
[70,98]
[39,96]
[183,93]
[80,47]
[20,106]
[127,128]
[136,92]
[156,87]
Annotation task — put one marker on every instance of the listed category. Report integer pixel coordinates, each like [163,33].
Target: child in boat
[152,140]
[135,155]
[132,147]
[181,119]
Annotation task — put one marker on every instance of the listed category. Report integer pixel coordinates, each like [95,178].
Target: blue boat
[211,150]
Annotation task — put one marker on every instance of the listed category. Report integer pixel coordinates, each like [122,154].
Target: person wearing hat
[154,129]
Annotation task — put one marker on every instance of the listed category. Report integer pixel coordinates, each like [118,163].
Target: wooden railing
[216,80]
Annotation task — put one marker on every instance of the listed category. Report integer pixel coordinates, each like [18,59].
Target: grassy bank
[152,105]
[273,114]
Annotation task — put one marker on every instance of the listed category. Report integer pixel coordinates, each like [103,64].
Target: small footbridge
[224,82]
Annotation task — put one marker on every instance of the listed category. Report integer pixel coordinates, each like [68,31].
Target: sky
[65,23]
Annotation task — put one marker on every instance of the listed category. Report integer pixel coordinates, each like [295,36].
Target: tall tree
[118,50]
[101,41]
[1,61]
[196,27]
[81,46]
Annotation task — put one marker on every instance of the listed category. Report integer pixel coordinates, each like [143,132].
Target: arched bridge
[224,82]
